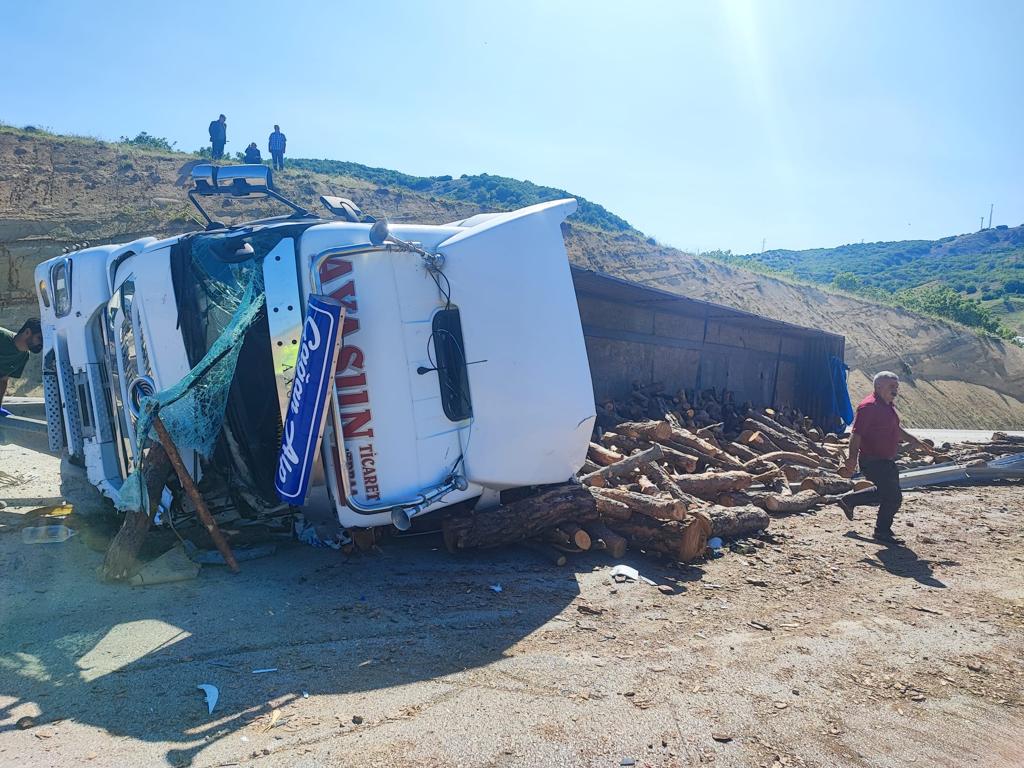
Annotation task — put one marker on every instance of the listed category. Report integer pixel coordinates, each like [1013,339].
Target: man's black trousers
[278,157]
[218,150]
[886,494]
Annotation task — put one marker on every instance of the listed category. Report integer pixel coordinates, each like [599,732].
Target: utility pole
[981,226]
[993,205]
[763,240]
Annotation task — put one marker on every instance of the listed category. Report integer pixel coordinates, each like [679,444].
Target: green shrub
[146,141]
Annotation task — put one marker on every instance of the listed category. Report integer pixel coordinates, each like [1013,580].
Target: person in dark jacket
[276,145]
[219,136]
[14,349]
[252,154]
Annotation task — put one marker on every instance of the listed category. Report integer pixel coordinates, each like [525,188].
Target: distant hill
[985,269]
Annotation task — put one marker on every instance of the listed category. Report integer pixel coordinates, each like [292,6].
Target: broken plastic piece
[46,534]
[212,694]
[496,588]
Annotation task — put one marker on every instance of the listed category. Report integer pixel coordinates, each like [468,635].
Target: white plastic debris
[264,671]
[624,573]
[212,694]
[496,588]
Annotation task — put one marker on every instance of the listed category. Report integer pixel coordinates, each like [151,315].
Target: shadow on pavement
[901,560]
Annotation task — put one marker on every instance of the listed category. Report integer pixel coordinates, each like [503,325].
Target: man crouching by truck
[14,349]
[875,441]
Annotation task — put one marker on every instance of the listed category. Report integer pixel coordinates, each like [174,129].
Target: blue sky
[706,124]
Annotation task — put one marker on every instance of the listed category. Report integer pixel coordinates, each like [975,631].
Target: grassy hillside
[974,278]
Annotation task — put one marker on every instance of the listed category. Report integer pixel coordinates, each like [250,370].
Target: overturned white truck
[455,360]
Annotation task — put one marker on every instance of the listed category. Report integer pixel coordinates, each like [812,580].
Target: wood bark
[655,431]
[703,447]
[121,559]
[626,465]
[660,509]
[603,456]
[680,460]
[798,502]
[791,457]
[546,551]
[604,538]
[523,519]
[683,540]
[827,484]
[709,484]
[730,522]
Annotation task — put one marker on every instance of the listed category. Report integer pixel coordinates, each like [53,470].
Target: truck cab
[461,369]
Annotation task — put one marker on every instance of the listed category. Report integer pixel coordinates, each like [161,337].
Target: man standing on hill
[219,136]
[875,440]
[14,349]
[276,146]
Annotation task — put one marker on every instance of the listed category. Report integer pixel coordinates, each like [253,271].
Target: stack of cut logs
[666,472]
[665,485]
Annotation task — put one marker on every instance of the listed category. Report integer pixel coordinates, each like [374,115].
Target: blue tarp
[841,405]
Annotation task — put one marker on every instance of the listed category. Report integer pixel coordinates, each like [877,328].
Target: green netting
[193,409]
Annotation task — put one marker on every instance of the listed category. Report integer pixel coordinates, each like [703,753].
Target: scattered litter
[725,738]
[357,720]
[213,557]
[173,565]
[624,573]
[715,542]
[305,694]
[365,663]
[275,715]
[46,534]
[264,671]
[24,723]
[212,695]
[496,588]
[322,537]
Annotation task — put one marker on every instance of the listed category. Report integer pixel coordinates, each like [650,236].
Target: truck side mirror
[379,232]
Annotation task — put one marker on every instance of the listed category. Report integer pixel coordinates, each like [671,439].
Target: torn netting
[193,409]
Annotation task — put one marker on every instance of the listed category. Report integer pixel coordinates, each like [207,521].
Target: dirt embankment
[57,191]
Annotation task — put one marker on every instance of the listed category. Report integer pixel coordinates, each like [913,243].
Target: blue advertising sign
[311,389]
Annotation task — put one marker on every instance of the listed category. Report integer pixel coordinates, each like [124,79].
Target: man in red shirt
[875,441]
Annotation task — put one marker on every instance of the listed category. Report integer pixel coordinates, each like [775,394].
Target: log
[662,480]
[787,439]
[522,519]
[710,432]
[603,456]
[798,502]
[622,444]
[827,484]
[709,484]
[742,452]
[604,538]
[793,458]
[702,447]
[647,486]
[660,509]
[626,465]
[862,485]
[611,509]
[121,560]
[546,551]
[757,440]
[588,467]
[733,499]
[730,522]
[680,461]
[655,431]
[683,540]
[579,537]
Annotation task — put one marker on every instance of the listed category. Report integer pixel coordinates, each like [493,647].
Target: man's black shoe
[888,537]
[847,508]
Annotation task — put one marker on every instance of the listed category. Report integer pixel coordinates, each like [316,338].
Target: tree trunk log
[680,461]
[701,446]
[709,484]
[798,502]
[730,522]
[827,484]
[546,551]
[656,431]
[620,468]
[525,519]
[603,537]
[682,540]
[792,458]
[660,509]
[121,560]
[603,456]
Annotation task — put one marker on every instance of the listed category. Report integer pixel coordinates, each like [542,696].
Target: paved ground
[813,648]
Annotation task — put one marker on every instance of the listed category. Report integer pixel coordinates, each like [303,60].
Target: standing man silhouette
[219,136]
[276,145]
